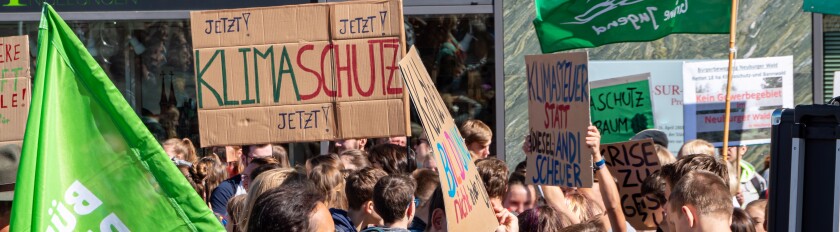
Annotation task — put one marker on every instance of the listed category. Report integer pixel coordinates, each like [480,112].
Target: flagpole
[732,51]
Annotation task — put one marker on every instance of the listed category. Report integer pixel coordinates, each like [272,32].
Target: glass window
[458,51]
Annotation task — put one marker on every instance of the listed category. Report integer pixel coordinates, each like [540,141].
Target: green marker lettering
[248,99]
[199,76]
[284,59]
[257,53]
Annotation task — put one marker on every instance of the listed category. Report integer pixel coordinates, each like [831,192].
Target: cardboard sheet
[630,163]
[465,199]
[15,88]
[254,64]
[558,112]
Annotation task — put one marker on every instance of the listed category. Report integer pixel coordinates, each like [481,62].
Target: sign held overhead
[309,72]
[558,109]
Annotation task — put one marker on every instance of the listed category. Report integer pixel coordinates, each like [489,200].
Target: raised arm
[609,191]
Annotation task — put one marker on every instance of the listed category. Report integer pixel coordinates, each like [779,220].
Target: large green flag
[88,163]
[569,24]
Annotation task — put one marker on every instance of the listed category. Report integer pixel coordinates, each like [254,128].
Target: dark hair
[246,150]
[654,185]
[391,197]
[521,167]
[393,159]
[286,208]
[358,158]
[741,222]
[675,171]
[493,173]
[359,187]
[542,219]
[705,191]
[435,202]
[263,168]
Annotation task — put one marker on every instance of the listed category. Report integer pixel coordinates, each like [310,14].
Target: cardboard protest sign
[558,109]
[309,72]
[759,86]
[630,163]
[15,88]
[466,201]
[621,107]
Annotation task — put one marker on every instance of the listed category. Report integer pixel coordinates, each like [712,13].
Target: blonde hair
[263,183]
[697,146]
[582,207]
[183,147]
[475,131]
[329,179]
[665,156]
[235,206]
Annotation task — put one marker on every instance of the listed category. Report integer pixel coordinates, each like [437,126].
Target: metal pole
[732,51]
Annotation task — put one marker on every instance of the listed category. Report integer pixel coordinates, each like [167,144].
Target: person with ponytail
[208,173]
[181,151]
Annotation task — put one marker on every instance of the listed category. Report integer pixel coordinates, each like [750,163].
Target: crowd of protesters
[382,185]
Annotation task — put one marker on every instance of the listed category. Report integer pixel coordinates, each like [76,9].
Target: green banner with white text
[88,163]
[569,24]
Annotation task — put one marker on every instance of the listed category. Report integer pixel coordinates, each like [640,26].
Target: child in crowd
[477,137]
[700,201]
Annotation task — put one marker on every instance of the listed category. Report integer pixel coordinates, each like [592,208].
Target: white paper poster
[759,86]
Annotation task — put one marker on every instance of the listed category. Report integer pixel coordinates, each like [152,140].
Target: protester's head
[542,219]
[329,179]
[187,171]
[425,154]
[520,196]
[295,207]
[734,151]
[359,189]
[256,151]
[254,165]
[391,158]
[393,198]
[208,173]
[281,155]
[181,149]
[665,156]
[427,181]
[398,140]
[594,225]
[741,221]
[653,189]
[437,213]
[756,211]
[328,159]
[265,182]
[521,168]
[494,173]
[477,137]
[354,159]
[672,173]
[700,199]
[342,145]
[697,147]
[235,206]
[582,207]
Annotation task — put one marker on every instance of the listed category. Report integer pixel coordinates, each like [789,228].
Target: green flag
[822,6]
[569,24]
[88,163]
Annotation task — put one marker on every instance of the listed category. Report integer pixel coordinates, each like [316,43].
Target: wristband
[599,165]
